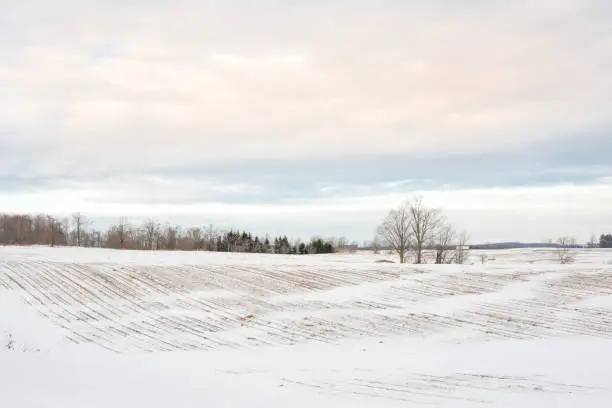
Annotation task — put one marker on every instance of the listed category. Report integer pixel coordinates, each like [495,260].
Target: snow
[103,328]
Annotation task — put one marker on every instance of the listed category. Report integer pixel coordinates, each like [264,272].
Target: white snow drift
[100,328]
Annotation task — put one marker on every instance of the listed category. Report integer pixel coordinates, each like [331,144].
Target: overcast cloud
[310,117]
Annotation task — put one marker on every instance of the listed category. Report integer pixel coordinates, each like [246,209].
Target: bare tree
[443,244]
[593,241]
[414,225]
[342,243]
[96,238]
[194,235]
[210,238]
[64,226]
[462,250]
[376,245]
[150,230]
[396,231]
[423,221]
[563,251]
[122,232]
[79,222]
[41,229]
[170,237]
[53,228]
[118,235]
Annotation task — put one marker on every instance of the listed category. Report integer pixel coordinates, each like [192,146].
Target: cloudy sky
[310,117]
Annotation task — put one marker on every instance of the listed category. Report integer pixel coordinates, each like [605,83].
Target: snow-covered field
[101,328]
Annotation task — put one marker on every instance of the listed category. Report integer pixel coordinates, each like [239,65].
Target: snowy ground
[101,328]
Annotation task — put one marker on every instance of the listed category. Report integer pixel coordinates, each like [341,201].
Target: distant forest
[25,229]
[77,230]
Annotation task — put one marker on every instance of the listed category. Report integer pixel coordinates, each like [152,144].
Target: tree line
[605,241]
[26,229]
[416,232]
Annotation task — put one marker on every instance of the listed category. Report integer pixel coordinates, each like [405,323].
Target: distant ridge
[501,245]
[511,245]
